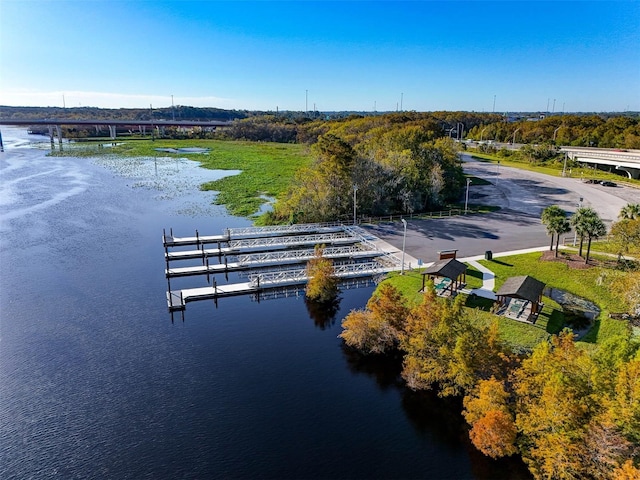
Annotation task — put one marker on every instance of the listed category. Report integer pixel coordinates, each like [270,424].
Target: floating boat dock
[272,257]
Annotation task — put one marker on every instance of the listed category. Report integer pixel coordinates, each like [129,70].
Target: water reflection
[384,369]
[323,314]
[433,418]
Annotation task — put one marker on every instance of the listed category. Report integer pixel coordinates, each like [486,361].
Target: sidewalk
[488,277]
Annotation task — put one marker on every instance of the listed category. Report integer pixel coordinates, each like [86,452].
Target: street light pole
[466,200]
[404,241]
[575,231]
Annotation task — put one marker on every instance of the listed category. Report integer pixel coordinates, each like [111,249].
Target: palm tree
[577,221]
[630,211]
[550,217]
[588,224]
[560,226]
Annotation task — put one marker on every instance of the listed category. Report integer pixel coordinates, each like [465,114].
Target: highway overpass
[140,125]
[627,161]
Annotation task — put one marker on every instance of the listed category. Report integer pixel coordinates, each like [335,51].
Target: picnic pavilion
[520,298]
[448,276]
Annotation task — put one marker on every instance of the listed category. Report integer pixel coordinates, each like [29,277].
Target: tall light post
[173,112]
[482,132]
[355,189]
[555,132]
[575,230]
[513,141]
[466,200]
[404,242]
[494,104]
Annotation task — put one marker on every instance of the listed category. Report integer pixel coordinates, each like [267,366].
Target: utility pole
[554,106]
[494,104]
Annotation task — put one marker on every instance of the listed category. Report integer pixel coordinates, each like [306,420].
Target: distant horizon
[169,107]
[482,56]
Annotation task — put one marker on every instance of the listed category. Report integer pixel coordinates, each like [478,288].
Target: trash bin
[488,255]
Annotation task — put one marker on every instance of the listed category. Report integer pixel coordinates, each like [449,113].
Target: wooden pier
[272,257]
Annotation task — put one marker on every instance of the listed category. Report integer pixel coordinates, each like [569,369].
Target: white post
[466,200]
[575,232]
[404,241]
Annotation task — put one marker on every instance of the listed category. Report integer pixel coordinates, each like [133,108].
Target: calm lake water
[97,382]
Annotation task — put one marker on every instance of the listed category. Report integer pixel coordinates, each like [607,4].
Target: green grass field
[591,284]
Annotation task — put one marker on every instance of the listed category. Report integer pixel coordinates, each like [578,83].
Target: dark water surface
[97,382]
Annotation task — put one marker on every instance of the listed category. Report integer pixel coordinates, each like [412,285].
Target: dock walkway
[269,256]
[271,259]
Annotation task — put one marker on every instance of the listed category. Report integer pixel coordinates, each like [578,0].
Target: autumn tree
[378,327]
[493,429]
[553,406]
[322,285]
[444,347]
[625,234]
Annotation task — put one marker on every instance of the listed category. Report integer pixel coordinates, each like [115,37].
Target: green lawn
[589,283]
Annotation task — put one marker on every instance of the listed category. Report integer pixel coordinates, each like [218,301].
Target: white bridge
[627,161]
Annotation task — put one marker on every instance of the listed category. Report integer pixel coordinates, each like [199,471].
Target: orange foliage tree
[323,283]
[377,328]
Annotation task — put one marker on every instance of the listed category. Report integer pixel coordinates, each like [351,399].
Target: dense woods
[571,413]
[385,164]
[602,131]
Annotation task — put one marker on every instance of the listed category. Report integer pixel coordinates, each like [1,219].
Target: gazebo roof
[449,268]
[525,287]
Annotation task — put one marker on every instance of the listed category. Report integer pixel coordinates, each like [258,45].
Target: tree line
[621,131]
[602,130]
[571,413]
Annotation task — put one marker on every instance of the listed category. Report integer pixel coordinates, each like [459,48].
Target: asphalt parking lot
[522,195]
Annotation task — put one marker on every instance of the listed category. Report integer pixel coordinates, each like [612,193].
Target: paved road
[522,195]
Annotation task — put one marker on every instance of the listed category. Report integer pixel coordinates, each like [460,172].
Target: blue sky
[334,55]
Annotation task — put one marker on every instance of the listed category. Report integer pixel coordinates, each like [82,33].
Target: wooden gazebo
[447,275]
[525,289]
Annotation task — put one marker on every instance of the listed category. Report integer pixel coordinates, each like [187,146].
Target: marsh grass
[267,168]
